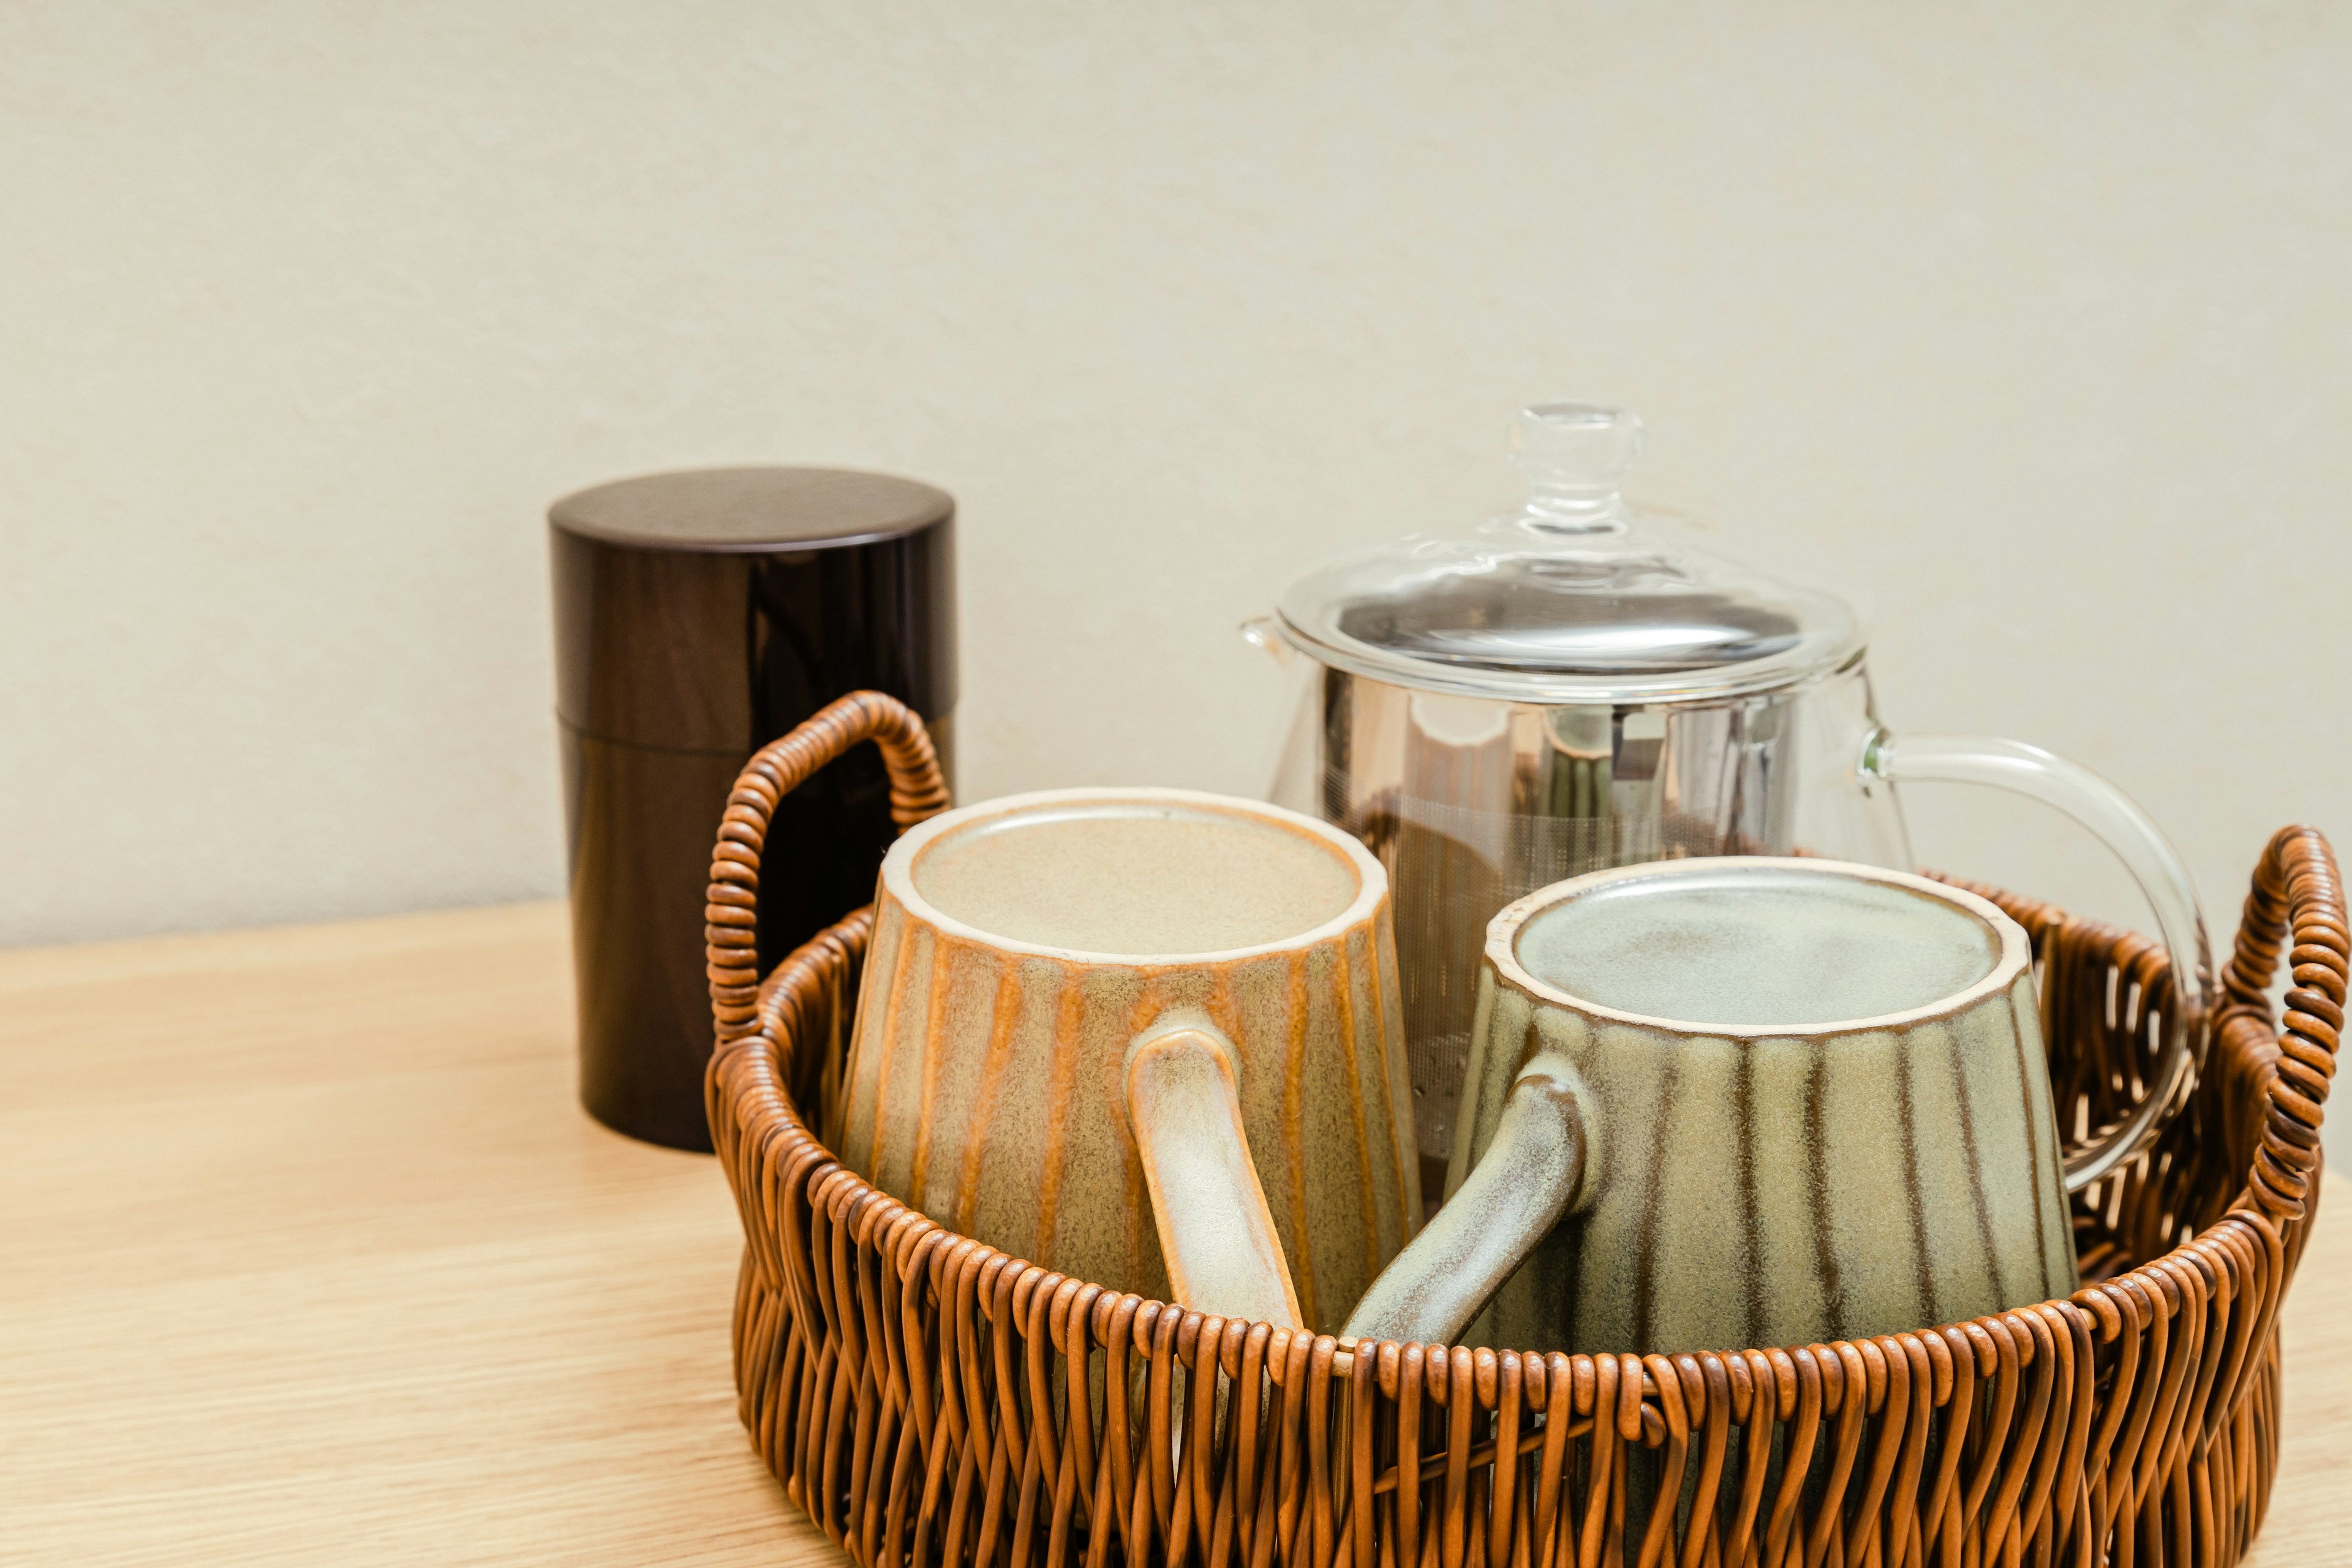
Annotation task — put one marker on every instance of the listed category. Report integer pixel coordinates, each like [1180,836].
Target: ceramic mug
[1741,1101]
[1147,1037]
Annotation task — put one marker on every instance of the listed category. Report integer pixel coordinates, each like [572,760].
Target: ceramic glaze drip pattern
[1932,1193]
[985,1089]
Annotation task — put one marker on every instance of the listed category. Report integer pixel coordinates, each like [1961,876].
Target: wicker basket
[927,1399]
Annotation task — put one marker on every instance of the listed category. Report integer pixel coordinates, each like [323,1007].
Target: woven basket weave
[927,1399]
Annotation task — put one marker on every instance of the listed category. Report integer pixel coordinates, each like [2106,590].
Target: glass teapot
[1572,687]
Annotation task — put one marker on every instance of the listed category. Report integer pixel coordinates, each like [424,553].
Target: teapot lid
[1574,598]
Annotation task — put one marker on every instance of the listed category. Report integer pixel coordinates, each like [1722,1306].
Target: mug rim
[2015,958]
[898,871]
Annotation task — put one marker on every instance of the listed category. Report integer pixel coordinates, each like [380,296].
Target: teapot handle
[1216,1234]
[1523,1181]
[2150,858]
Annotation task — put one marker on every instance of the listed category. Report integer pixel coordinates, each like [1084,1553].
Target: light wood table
[307,1253]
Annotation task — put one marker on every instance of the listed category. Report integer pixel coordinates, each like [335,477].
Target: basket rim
[2148,1289]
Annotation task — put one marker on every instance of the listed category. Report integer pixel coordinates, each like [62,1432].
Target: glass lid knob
[1576,457]
[1573,597]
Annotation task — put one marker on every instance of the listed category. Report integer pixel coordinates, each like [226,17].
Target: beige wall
[2031,321]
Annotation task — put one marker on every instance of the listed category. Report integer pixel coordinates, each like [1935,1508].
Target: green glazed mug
[1741,1101]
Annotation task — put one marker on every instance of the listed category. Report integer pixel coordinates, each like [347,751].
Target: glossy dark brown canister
[699,615]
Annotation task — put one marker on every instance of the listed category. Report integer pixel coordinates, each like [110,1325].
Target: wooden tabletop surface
[307,1253]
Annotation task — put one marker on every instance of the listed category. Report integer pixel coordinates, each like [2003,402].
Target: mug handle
[2150,858]
[1183,1101]
[1523,1183]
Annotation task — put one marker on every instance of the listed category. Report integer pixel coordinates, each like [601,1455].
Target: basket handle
[731,915]
[2298,898]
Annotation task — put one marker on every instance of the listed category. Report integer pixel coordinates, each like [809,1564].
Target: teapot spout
[1265,631]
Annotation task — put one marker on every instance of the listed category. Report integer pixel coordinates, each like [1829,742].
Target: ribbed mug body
[1786,1185]
[985,1089]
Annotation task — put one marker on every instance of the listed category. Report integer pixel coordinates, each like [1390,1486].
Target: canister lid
[711,609]
[1573,598]
[759,509]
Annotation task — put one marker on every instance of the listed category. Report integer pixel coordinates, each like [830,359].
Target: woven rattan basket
[928,1400]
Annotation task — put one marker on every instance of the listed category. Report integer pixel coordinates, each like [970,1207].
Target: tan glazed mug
[1147,1037]
[1741,1101]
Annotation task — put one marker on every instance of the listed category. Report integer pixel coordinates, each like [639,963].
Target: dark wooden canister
[699,615]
